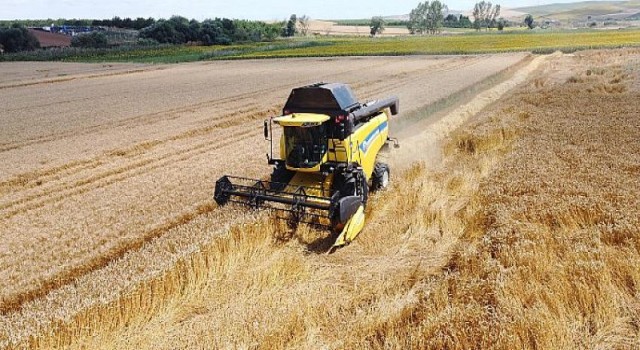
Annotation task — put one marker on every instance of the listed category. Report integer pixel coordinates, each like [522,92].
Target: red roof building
[48,39]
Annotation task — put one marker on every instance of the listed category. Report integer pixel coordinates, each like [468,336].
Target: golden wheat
[107,219]
[550,254]
[526,237]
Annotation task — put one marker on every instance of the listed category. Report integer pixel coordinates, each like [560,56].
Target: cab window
[305,147]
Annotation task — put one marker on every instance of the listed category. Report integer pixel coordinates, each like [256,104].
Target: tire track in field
[411,76]
[406,75]
[139,120]
[229,121]
[14,302]
[111,176]
[36,178]
[80,77]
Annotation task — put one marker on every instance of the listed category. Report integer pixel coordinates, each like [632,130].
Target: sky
[241,9]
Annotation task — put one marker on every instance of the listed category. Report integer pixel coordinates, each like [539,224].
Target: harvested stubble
[96,224]
[543,191]
[260,290]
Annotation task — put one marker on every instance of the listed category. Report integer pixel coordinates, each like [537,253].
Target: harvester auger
[329,160]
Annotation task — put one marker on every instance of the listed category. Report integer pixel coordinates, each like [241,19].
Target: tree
[290,29]
[501,24]
[485,14]
[529,22]
[451,21]
[495,14]
[435,16]
[376,25]
[427,17]
[93,40]
[303,25]
[208,32]
[255,31]
[164,31]
[18,38]
[139,23]
[417,22]
[465,22]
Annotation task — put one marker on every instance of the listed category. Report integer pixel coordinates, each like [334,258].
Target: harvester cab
[328,160]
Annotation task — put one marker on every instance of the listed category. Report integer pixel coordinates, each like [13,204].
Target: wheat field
[512,222]
[514,226]
[107,175]
[522,233]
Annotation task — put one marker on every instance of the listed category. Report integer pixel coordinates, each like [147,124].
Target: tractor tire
[220,195]
[380,177]
[365,187]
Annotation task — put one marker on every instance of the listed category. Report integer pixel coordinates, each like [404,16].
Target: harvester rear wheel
[380,178]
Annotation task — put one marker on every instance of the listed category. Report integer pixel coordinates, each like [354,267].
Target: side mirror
[266,130]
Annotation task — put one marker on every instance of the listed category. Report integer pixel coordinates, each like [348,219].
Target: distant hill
[573,14]
[406,17]
[579,11]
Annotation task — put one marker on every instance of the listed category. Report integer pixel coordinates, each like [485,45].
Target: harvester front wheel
[280,178]
[362,186]
[221,194]
[380,178]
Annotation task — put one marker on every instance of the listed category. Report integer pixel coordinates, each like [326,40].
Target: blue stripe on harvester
[364,146]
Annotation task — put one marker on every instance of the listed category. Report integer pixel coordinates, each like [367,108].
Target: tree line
[485,15]
[218,31]
[15,37]
[117,22]
[124,23]
[429,18]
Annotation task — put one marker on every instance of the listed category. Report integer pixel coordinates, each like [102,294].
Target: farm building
[48,39]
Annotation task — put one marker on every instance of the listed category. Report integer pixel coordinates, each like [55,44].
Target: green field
[461,44]
[471,43]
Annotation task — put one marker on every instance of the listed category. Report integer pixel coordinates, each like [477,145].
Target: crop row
[464,44]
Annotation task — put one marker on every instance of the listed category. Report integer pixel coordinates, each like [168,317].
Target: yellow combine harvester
[329,159]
